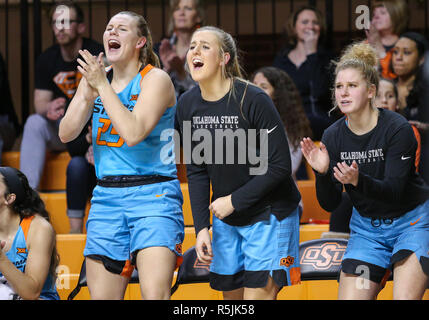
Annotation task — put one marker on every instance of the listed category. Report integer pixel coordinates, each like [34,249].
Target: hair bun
[361,51]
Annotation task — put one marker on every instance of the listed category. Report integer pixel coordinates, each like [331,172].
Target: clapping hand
[374,39]
[317,157]
[310,42]
[92,69]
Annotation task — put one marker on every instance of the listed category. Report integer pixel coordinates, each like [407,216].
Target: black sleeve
[6,105]
[277,162]
[78,146]
[43,72]
[328,189]
[198,181]
[399,164]
[199,194]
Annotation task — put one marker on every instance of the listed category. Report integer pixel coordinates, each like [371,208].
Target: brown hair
[199,6]
[147,55]
[398,12]
[288,102]
[69,4]
[291,22]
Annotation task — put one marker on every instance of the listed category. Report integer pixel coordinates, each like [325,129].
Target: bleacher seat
[311,206]
[54,172]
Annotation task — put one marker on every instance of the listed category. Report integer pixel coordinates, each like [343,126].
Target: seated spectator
[9,125]
[282,90]
[185,17]
[28,255]
[308,64]
[389,20]
[408,59]
[56,81]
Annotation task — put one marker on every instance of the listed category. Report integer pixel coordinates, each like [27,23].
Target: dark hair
[288,102]
[30,205]
[291,22]
[421,42]
[147,55]
[71,5]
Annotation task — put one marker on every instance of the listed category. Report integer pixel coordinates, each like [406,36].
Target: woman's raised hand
[317,157]
[92,68]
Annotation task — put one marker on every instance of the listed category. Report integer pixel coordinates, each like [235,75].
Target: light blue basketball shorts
[124,220]
[244,256]
[380,243]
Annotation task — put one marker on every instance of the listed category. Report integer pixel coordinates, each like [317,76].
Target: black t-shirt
[313,79]
[6,104]
[255,195]
[388,184]
[62,78]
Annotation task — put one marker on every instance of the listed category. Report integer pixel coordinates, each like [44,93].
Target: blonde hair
[232,69]
[362,57]
[398,12]
[228,45]
[147,55]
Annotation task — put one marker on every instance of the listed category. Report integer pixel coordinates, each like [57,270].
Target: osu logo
[179,247]
[287,261]
[324,256]
[201,265]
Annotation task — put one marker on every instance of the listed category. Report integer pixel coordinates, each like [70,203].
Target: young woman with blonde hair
[136,209]
[254,252]
[371,153]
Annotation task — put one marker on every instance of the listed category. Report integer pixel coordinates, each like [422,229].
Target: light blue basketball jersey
[152,156]
[18,254]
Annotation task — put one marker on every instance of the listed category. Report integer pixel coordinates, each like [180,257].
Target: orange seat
[311,207]
[54,172]
[56,205]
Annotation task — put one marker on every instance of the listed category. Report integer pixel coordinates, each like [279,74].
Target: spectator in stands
[282,90]
[136,209]
[407,61]
[28,256]
[389,20]
[308,64]
[56,81]
[251,209]
[185,17]
[371,153]
[9,124]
